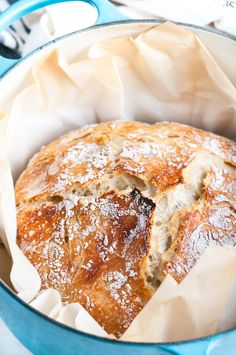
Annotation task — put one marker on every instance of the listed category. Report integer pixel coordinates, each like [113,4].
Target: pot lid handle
[107,13]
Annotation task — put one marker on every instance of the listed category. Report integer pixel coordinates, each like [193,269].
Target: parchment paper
[163,74]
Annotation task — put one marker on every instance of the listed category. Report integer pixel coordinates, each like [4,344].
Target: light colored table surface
[9,345]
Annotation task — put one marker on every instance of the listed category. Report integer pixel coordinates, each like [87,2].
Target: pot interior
[222,48]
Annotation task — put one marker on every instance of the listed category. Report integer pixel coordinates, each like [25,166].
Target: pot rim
[122,22]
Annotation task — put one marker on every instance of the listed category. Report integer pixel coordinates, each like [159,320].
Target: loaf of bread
[105,212]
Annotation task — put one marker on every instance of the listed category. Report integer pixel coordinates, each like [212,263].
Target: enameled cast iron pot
[37,332]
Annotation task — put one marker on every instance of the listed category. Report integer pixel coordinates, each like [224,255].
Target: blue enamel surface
[6,64]
[106,13]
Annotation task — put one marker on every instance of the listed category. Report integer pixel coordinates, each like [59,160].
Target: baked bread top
[105,212]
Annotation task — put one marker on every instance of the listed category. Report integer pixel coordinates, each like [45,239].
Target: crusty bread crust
[105,212]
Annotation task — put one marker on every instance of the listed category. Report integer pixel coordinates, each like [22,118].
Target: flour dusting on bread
[105,212]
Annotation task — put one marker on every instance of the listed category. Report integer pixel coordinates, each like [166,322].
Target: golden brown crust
[106,211]
[213,224]
[67,161]
[169,148]
[92,253]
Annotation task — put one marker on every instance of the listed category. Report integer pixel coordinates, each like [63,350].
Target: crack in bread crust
[105,212]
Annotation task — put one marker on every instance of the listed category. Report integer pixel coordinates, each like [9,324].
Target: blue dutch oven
[40,334]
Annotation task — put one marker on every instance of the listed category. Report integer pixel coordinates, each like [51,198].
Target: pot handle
[106,13]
